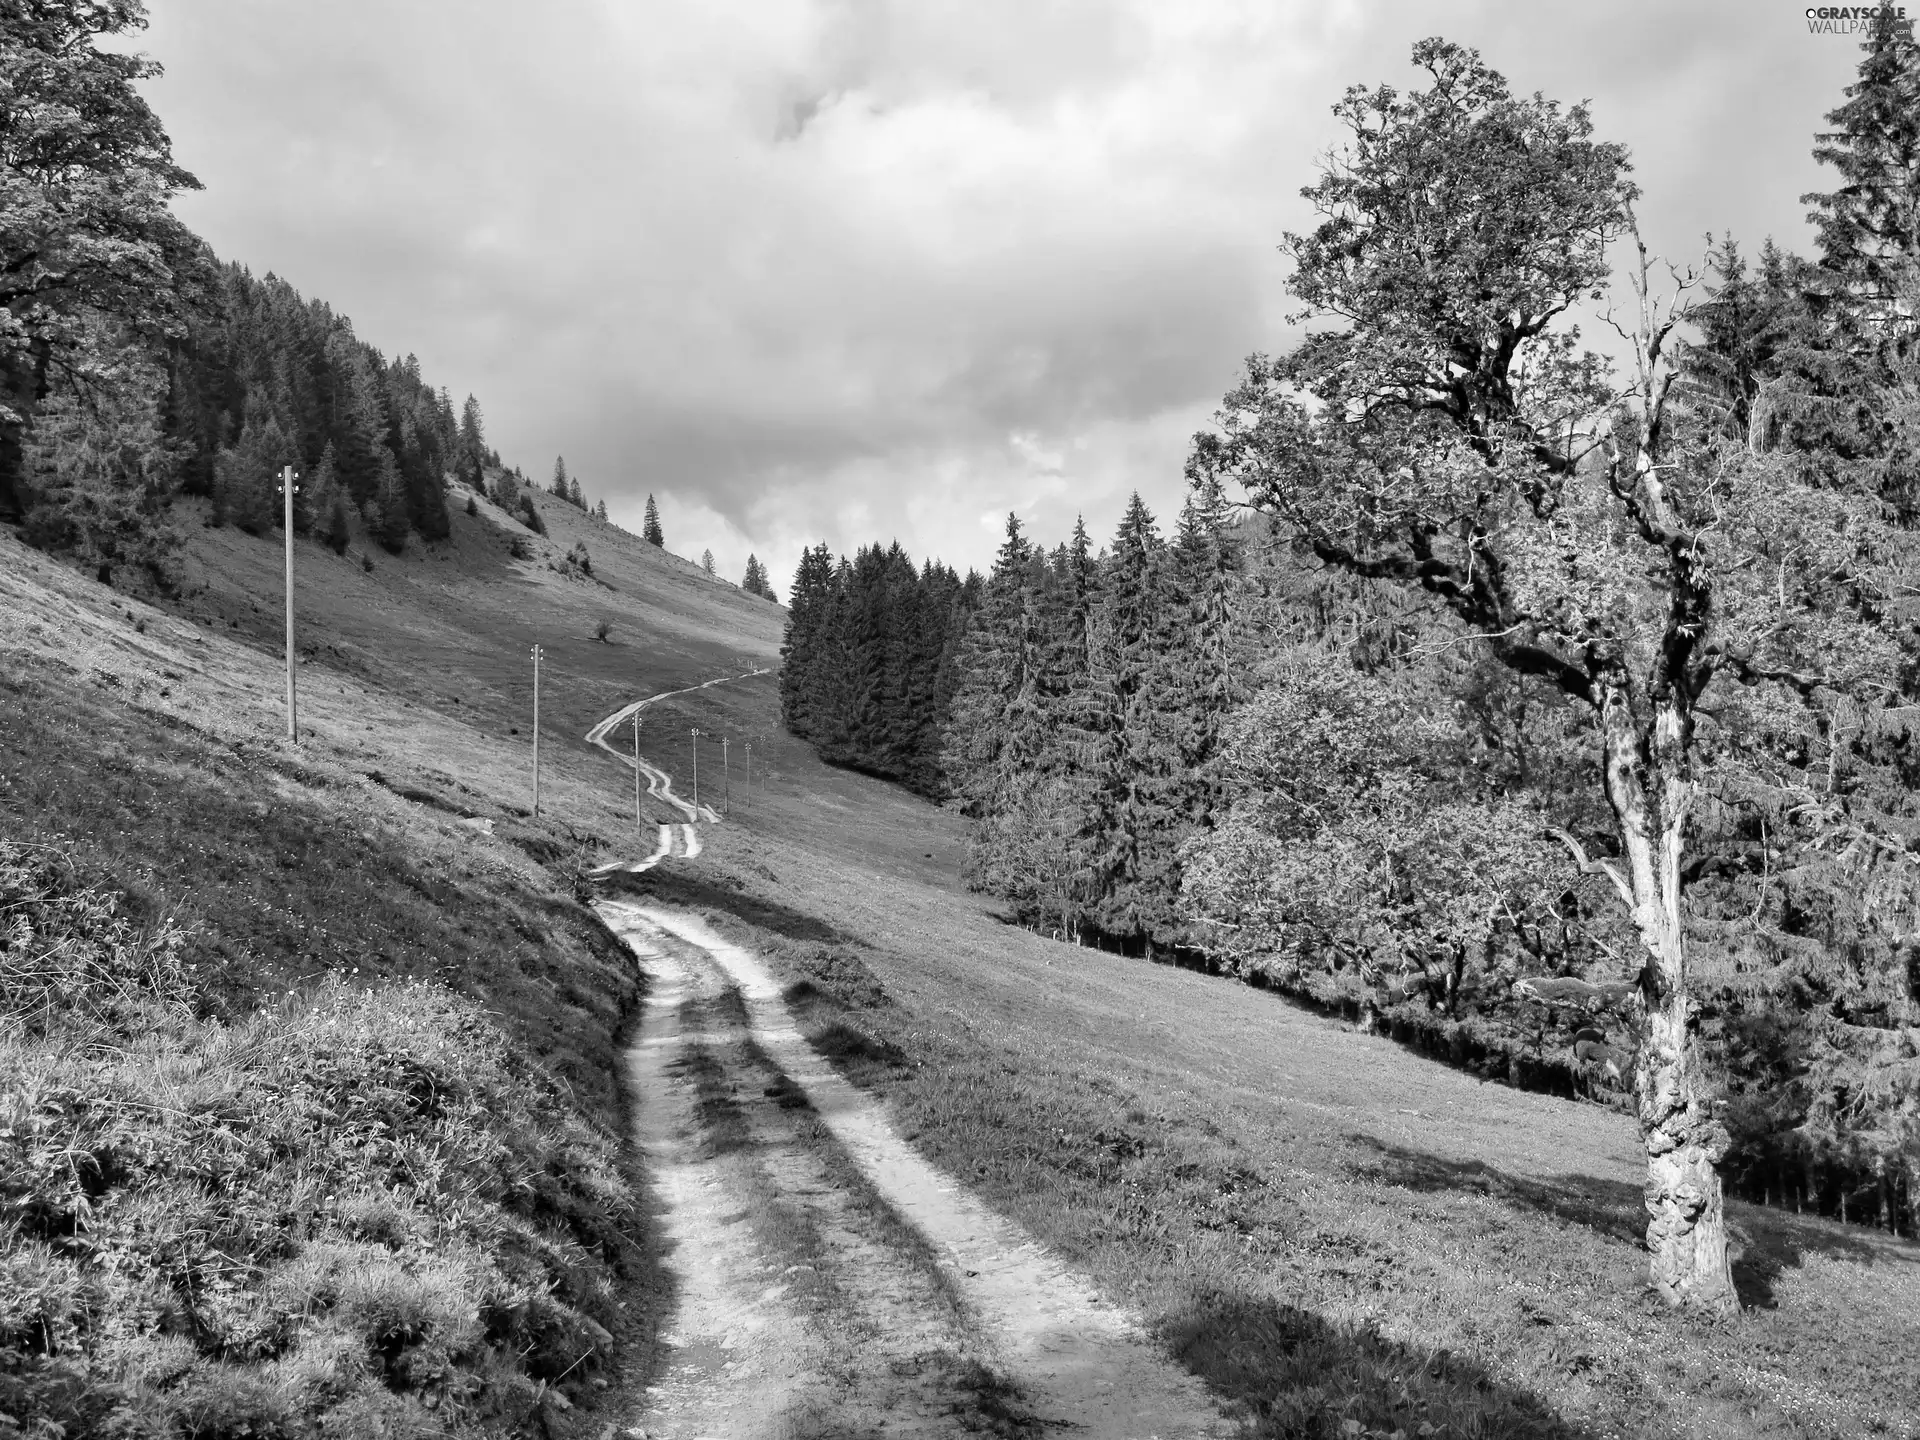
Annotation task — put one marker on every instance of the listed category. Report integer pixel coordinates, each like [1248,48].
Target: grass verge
[355,1211]
[1329,1285]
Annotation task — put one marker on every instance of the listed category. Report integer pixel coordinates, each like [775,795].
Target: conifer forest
[1554,713]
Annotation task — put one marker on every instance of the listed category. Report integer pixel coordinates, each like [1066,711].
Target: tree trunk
[1651,790]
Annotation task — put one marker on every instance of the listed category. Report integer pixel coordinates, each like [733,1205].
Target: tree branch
[1588,866]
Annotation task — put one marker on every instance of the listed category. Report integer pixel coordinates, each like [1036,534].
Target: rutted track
[914,1306]
[660,784]
[805,1309]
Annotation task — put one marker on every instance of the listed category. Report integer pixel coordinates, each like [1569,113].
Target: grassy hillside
[1327,1227]
[376,1082]
[1341,1237]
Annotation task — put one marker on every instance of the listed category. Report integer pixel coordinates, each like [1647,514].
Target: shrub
[356,1211]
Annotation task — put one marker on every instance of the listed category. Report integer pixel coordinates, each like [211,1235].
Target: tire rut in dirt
[889,1348]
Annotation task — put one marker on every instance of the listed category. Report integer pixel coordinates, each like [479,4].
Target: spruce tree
[996,731]
[559,487]
[1137,757]
[600,510]
[97,476]
[800,651]
[1869,226]
[472,436]
[506,491]
[328,505]
[706,561]
[246,475]
[650,529]
[388,512]
[753,582]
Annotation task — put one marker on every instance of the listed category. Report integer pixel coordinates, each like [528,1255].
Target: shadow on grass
[676,887]
[1775,1240]
[1299,1375]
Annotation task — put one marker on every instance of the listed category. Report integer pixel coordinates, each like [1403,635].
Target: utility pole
[726,770]
[696,769]
[536,730]
[749,748]
[636,770]
[287,488]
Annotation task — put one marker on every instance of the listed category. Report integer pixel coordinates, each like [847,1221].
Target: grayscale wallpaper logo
[1849,19]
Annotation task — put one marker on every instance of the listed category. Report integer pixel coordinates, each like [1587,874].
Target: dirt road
[832,1281]
[660,784]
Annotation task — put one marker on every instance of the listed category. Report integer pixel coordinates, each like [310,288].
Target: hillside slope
[1323,1227]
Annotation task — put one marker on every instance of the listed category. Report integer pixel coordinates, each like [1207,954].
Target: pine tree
[530,513]
[559,488]
[1136,759]
[800,650]
[246,474]
[600,510]
[650,530]
[387,512]
[575,495]
[506,491]
[706,561]
[996,729]
[1869,227]
[472,436]
[753,582]
[97,477]
[359,420]
[328,506]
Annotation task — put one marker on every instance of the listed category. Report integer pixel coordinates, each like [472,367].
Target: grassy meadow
[1343,1237]
[355,1156]
[387,977]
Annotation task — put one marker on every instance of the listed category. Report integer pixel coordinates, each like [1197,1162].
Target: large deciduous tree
[1451,435]
[86,171]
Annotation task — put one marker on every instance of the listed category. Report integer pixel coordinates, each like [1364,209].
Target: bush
[358,1210]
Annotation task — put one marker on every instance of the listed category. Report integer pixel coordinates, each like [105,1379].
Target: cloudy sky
[861,270]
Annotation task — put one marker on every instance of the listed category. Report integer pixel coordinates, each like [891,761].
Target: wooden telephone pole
[637,824]
[536,730]
[287,489]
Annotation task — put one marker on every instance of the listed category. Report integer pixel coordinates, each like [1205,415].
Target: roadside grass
[356,1210]
[327,882]
[1239,1171]
[285,872]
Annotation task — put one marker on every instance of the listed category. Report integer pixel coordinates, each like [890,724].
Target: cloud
[869,269]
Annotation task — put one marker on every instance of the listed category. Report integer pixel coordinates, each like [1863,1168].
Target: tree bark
[1651,791]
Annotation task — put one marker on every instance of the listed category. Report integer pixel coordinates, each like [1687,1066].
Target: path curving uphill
[660,784]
